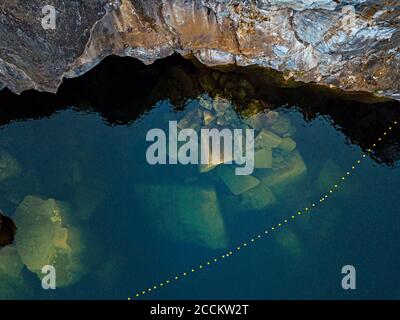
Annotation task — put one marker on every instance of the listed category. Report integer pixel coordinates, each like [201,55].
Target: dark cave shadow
[122,90]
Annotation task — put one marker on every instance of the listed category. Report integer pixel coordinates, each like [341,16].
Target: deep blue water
[72,153]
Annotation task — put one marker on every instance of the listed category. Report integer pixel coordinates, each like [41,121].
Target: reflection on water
[86,201]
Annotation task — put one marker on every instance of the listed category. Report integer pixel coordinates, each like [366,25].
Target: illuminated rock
[295,168]
[13,284]
[208,117]
[46,237]
[287,144]
[192,120]
[330,175]
[263,158]
[281,126]
[267,139]
[237,184]
[258,197]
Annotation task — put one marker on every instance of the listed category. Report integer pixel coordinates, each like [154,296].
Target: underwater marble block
[10,262]
[192,120]
[45,237]
[267,139]
[13,285]
[208,117]
[258,197]
[87,200]
[235,183]
[329,175]
[186,213]
[263,158]
[289,241]
[257,121]
[287,144]
[281,126]
[294,169]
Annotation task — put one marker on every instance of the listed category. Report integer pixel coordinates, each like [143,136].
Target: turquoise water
[140,224]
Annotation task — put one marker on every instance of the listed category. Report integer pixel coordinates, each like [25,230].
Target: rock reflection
[123,89]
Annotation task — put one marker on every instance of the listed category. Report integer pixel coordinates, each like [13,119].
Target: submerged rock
[287,144]
[281,126]
[46,237]
[186,213]
[267,139]
[294,168]
[328,177]
[352,45]
[289,241]
[10,262]
[9,166]
[14,288]
[258,197]
[235,183]
[263,158]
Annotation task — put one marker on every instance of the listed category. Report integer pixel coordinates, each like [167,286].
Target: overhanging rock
[352,45]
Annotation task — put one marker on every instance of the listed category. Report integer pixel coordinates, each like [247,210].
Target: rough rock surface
[352,45]
[32,57]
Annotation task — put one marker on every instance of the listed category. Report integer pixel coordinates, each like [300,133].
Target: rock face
[34,58]
[352,45]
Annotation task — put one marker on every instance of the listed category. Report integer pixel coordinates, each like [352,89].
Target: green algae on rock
[46,237]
